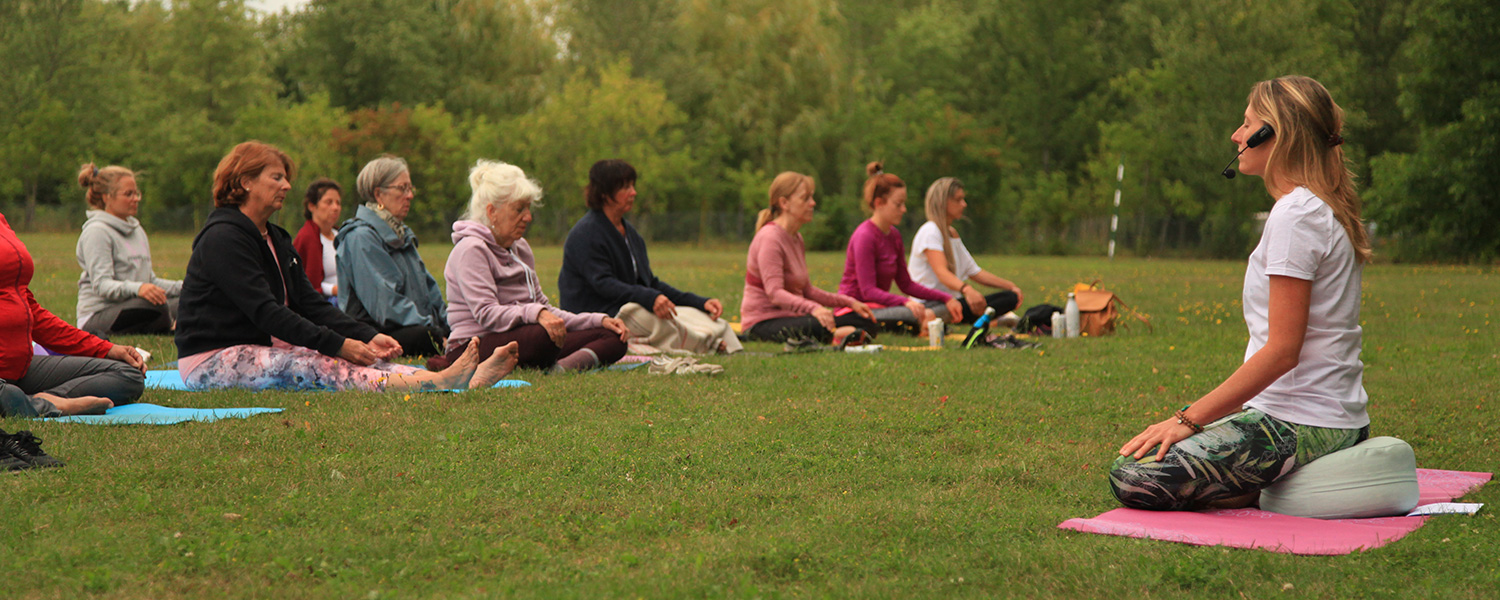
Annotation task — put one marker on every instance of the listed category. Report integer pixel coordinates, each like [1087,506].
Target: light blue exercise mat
[151,414]
[172,380]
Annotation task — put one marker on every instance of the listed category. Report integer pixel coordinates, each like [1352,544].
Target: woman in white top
[940,261]
[1299,394]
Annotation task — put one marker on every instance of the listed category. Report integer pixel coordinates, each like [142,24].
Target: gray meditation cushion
[1375,478]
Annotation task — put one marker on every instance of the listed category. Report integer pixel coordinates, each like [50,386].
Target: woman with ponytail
[118,292]
[780,301]
[1299,394]
[940,260]
[875,254]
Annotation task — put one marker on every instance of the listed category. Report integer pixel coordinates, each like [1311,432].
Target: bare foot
[462,369]
[496,367]
[82,405]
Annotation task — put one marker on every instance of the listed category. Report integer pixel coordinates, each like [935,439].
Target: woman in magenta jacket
[876,258]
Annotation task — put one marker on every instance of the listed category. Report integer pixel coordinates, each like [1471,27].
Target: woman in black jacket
[249,317]
[605,270]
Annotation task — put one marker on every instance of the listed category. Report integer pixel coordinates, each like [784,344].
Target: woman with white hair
[383,281]
[494,294]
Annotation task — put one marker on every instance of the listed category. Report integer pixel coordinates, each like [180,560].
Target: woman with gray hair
[383,281]
[494,293]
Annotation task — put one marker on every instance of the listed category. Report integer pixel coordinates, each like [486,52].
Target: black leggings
[536,349]
[418,340]
[1002,302]
[778,330]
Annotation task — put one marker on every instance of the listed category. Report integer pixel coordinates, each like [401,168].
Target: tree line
[1034,105]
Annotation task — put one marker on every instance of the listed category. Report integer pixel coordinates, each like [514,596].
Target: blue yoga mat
[151,414]
[172,380]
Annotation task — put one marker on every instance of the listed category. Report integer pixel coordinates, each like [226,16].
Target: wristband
[1182,419]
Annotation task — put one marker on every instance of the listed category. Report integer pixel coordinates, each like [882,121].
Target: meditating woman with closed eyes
[1299,395]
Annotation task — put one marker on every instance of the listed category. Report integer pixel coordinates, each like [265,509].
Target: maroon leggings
[538,351]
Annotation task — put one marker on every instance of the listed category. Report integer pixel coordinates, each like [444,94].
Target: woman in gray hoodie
[118,292]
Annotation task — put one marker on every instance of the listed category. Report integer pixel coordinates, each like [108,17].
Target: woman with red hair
[876,258]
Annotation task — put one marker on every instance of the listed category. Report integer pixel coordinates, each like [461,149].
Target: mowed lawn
[898,474]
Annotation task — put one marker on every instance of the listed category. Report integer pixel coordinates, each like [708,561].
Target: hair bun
[86,175]
[875,168]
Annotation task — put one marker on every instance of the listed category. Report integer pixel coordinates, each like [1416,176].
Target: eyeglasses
[136,194]
[401,189]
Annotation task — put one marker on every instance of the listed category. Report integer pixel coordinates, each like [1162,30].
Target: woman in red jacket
[93,376]
[321,207]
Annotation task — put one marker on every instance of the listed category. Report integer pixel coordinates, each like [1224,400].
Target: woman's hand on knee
[557,331]
[385,347]
[358,352]
[714,308]
[824,317]
[616,326]
[1161,436]
[955,310]
[127,355]
[663,308]
[152,293]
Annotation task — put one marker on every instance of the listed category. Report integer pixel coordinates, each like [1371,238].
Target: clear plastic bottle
[1059,325]
[1074,319]
[935,333]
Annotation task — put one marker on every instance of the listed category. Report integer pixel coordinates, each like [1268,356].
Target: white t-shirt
[930,238]
[1302,239]
[330,267]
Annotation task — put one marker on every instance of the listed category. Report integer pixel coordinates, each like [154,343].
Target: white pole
[1114,220]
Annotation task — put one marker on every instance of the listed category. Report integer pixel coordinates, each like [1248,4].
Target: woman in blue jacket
[383,281]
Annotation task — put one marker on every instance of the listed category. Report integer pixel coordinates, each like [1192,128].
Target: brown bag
[1097,310]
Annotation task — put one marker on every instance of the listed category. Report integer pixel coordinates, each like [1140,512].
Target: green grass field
[899,474]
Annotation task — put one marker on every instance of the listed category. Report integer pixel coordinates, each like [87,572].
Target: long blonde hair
[785,184]
[1307,149]
[938,195]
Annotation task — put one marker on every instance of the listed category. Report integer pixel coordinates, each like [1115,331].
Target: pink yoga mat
[1254,528]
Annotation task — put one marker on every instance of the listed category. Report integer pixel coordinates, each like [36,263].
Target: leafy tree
[599,115]
[1441,201]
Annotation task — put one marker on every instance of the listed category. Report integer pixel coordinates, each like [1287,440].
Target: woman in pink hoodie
[494,293]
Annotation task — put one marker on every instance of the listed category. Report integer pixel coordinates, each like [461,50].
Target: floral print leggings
[286,367]
[1238,454]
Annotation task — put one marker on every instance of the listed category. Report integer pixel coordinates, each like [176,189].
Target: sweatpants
[136,315]
[69,377]
[536,349]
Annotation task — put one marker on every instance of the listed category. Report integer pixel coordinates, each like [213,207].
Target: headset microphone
[1259,137]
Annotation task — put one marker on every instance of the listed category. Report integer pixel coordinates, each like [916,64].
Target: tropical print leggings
[1238,454]
[285,367]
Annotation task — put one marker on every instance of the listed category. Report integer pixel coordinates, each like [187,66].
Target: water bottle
[1059,325]
[981,328]
[935,333]
[1073,318]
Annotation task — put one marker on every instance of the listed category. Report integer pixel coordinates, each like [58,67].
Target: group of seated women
[249,315]
[780,302]
[329,309]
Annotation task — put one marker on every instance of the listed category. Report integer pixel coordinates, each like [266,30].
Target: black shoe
[798,344]
[29,447]
[9,460]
